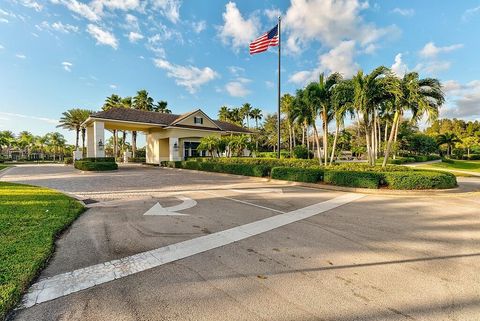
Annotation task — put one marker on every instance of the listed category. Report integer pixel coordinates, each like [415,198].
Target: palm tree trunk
[134,143]
[390,139]
[325,136]
[337,128]
[77,136]
[115,144]
[317,141]
[396,135]
[83,141]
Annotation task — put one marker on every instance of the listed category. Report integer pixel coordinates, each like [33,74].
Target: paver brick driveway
[356,257]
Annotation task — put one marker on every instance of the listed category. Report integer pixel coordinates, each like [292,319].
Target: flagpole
[278,112]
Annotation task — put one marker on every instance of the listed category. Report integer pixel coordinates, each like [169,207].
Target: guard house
[169,137]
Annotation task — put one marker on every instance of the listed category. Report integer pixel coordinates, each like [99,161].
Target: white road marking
[81,279]
[158,209]
[243,202]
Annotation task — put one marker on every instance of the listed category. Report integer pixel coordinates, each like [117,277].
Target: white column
[99,134]
[174,152]
[90,142]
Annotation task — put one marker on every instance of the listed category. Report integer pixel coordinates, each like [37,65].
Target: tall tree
[142,101]
[223,113]
[286,107]
[421,97]
[448,139]
[161,107]
[342,103]
[56,141]
[257,116]
[246,110]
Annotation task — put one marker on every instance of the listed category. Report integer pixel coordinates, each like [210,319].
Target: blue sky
[60,54]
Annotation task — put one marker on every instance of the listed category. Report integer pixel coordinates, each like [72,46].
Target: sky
[62,54]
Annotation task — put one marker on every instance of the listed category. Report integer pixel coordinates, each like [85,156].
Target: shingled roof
[155,118]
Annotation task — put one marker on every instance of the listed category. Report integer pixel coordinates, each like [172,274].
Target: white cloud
[469,13]
[235,70]
[48,120]
[269,84]
[237,89]
[113,86]
[32,4]
[168,8]
[21,56]
[190,77]
[103,37]
[330,23]
[3,20]
[134,36]
[272,14]
[339,59]
[430,50]
[236,30]
[80,8]
[462,100]
[132,22]
[199,26]
[58,26]
[399,67]
[432,67]
[124,5]
[2,47]
[67,66]
[404,12]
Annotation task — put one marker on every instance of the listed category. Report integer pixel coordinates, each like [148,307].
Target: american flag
[266,40]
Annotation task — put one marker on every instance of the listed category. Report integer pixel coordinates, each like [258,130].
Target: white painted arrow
[158,209]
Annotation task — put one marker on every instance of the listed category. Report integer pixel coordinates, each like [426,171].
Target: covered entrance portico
[168,137]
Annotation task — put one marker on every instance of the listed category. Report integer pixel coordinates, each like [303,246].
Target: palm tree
[286,107]
[113,101]
[223,113]
[421,97]
[25,141]
[161,107]
[325,89]
[7,139]
[142,101]
[56,141]
[83,115]
[303,116]
[245,110]
[448,139]
[256,115]
[311,97]
[370,90]
[235,116]
[209,144]
[72,119]
[342,102]
[41,142]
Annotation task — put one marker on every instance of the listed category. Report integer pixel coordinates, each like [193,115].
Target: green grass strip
[30,219]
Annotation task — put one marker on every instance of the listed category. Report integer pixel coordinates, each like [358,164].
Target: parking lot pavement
[360,258]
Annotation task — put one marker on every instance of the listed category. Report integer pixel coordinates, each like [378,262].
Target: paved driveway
[221,247]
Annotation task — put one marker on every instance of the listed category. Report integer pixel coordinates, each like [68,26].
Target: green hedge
[420,180]
[238,169]
[308,175]
[99,159]
[353,178]
[95,166]
[68,160]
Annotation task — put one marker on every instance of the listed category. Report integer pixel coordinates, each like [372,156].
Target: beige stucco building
[169,137]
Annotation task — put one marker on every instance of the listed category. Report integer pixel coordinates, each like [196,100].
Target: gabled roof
[161,119]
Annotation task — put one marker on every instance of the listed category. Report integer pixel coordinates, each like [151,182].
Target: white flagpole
[278,112]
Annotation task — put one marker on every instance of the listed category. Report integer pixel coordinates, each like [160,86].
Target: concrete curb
[385,192]
[5,170]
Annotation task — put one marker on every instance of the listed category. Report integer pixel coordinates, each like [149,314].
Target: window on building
[197,120]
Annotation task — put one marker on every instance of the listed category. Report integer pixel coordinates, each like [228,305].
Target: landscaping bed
[30,219]
[345,174]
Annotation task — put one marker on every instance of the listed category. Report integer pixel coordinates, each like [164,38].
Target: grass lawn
[30,219]
[459,165]
[3,166]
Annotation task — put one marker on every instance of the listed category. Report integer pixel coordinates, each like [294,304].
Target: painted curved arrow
[159,210]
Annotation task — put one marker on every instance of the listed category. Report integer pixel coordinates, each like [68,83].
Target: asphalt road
[374,257]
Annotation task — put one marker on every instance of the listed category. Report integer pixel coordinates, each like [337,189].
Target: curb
[386,192]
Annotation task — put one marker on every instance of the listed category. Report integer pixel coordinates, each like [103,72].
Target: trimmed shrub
[171,164]
[420,180]
[238,169]
[68,160]
[353,178]
[98,159]
[448,161]
[308,175]
[95,166]
[302,152]
[138,160]
[472,157]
